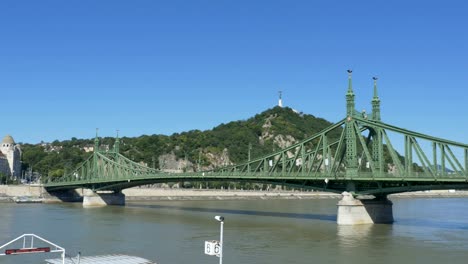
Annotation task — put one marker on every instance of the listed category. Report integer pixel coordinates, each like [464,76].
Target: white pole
[221,243]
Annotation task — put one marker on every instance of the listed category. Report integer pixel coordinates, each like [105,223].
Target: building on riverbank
[10,157]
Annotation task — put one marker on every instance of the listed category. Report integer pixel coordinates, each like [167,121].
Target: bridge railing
[337,176]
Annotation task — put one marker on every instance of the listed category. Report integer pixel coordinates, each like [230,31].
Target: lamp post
[213,247]
[221,220]
[248,157]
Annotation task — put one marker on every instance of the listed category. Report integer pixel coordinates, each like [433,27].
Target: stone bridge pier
[353,211]
[104,198]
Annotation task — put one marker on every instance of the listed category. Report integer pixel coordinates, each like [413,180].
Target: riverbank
[431,194]
[12,192]
[148,194]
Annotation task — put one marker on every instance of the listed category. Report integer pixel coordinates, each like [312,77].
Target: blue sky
[159,67]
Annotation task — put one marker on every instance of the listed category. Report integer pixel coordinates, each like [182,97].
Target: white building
[10,157]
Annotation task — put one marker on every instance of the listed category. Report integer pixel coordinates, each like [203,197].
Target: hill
[225,144]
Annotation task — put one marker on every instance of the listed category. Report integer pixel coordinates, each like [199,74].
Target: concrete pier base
[353,211]
[93,199]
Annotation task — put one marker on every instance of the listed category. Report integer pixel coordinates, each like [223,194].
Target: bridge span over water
[363,161]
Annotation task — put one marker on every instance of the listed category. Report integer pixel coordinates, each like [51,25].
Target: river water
[426,231]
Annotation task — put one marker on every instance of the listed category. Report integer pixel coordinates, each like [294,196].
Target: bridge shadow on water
[410,222]
[321,217]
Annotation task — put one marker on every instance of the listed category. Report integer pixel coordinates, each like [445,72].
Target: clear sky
[160,67]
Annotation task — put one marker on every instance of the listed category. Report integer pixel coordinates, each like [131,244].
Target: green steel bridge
[362,161]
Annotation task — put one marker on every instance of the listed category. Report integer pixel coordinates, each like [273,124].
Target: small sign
[212,248]
[26,250]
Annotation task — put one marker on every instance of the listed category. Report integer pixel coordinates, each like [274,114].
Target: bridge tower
[375,102]
[96,150]
[92,198]
[351,210]
[377,145]
[351,146]
[117,143]
[96,141]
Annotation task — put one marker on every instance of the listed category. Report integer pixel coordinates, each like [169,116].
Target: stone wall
[194,194]
[21,190]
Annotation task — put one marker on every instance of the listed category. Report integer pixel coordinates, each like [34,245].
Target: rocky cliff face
[279,140]
[284,141]
[170,163]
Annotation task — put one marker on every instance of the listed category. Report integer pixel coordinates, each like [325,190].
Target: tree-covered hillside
[225,144]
